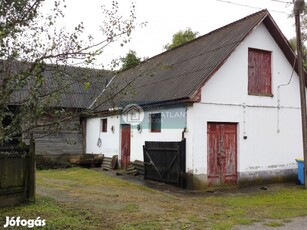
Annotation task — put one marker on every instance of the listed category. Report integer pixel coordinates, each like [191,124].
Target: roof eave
[283,43]
[147,105]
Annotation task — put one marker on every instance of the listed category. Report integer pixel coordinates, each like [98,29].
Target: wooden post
[83,132]
[32,170]
[26,175]
[183,163]
[298,9]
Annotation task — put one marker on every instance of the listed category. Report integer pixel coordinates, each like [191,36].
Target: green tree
[130,60]
[303,24]
[31,45]
[180,38]
[292,42]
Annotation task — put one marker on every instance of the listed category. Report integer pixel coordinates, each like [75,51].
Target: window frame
[260,68]
[104,125]
[153,120]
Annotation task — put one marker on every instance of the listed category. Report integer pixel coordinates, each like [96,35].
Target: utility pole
[297,10]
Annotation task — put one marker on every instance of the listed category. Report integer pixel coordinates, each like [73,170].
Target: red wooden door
[222,153]
[125,145]
[259,72]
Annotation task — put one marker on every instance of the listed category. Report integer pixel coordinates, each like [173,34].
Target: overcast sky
[166,17]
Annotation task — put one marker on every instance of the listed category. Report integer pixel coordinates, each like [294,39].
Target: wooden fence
[17,174]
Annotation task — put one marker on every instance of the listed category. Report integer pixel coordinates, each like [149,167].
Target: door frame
[236,152]
[123,162]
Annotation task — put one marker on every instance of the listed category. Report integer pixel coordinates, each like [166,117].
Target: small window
[259,73]
[155,122]
[104,125]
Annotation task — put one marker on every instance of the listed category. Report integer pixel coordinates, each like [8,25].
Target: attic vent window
[259,73]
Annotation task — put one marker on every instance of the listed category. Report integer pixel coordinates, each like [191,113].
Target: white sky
[166,17]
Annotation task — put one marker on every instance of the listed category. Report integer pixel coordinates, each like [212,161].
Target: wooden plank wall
[17,175]
[63,143]
[68,140]
[12,180]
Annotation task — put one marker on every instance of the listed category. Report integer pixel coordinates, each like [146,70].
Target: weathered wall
[172,125]
[110,140]
[173,122]
[271,124]
[68,140]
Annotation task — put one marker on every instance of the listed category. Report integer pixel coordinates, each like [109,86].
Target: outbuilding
[231,94]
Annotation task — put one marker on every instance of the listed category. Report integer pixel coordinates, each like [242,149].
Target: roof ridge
[192,59]
[211,32]
[236,22]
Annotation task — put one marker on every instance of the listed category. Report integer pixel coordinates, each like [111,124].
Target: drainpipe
[185,129]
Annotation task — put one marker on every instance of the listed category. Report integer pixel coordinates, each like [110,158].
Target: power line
[238,4]
[254,7]
[280,1]
[288,3]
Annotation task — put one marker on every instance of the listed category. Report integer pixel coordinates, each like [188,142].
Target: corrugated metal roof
[68,82]
[178,74]
[173,75]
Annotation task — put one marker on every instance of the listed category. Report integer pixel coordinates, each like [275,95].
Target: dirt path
[298,223]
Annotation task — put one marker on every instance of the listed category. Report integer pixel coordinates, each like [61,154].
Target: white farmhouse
[233,94]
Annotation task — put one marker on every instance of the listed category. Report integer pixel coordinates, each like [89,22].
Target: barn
[231,95]
[64,89]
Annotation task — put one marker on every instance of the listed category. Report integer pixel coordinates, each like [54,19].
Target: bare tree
[34,55]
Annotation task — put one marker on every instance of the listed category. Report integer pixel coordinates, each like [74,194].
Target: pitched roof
[79,87]
[68,83]
[178,74]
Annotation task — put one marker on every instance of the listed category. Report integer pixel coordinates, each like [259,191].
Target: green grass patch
[85,199]
[154,225]
[142,225]
[85,177]
[274,224]
[194,218]
[131,207]
[248,208]
[57,216]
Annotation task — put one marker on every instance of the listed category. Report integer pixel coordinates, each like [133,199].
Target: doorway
[125,145]
[222,153]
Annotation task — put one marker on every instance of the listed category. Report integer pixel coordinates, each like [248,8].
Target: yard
[87,199]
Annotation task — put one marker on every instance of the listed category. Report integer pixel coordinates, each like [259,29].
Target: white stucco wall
[272,127]
[192,126]
[110,140]
[173,121]
[172,125]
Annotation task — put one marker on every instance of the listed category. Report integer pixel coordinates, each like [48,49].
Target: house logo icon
[133,114]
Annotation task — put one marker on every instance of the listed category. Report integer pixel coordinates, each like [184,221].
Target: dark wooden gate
[165,162]
[125,145]
[17,175]
[222,153]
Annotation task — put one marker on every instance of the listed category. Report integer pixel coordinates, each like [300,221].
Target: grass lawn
[85,199]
